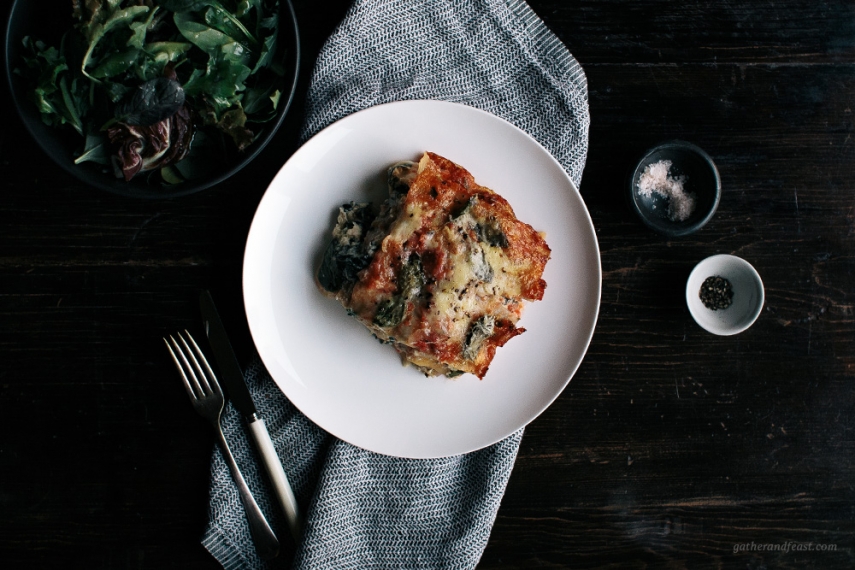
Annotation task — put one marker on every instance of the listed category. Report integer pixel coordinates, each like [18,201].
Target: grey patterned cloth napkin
[365,510]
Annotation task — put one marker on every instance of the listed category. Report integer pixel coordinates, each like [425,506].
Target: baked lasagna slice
[439,271]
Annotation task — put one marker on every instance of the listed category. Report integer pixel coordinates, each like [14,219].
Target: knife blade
[233,379]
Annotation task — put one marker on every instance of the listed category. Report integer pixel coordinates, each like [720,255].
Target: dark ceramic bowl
[701,180]
[27,19]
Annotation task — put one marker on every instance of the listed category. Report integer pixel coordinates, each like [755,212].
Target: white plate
[328,364]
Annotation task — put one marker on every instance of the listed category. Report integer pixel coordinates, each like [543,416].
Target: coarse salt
[657,178]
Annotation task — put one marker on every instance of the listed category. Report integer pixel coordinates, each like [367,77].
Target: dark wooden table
[670,448]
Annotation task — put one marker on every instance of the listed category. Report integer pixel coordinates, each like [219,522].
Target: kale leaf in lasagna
[439,271]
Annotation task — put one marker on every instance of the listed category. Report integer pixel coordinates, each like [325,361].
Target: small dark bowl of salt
[675,188]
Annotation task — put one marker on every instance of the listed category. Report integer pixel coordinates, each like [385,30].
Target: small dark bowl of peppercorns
[724,294]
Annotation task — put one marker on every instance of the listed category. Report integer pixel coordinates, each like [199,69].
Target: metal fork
[208,400]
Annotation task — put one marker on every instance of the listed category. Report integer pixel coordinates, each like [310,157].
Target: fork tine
[187,370]
[187,385]
[211,376]
[208,382]
[193,366]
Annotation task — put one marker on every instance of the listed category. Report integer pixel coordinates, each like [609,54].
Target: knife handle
[277,475]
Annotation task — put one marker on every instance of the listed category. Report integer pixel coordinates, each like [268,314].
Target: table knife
[232,377]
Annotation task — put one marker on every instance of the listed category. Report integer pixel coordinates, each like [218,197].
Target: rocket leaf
[178,6]
[118,18]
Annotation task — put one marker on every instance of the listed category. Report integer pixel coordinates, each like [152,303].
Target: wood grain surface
[670,448]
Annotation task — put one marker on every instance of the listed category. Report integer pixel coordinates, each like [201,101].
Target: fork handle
[266,543]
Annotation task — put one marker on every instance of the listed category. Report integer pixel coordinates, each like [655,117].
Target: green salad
[160,86]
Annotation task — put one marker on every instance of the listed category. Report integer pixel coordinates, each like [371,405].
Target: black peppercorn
[716,293]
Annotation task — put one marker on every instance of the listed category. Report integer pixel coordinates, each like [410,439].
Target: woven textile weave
[365,510]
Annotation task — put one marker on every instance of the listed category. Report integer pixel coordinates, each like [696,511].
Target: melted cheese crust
[457,265]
